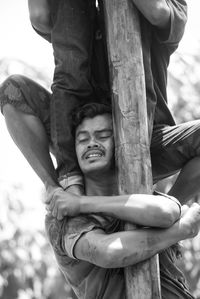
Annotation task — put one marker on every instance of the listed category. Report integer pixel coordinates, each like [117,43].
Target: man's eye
[83,140]
[105,136]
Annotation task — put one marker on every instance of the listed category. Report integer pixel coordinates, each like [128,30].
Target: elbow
[36,17]
[40,20]
[118,257]
[169,215]
[121,257]
[110,257]
[160,15]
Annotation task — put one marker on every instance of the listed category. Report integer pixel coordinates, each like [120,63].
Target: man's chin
[95,169]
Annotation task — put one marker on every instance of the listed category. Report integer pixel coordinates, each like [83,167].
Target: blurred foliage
[10,66]
[27,267]
[184,100]
[184,86]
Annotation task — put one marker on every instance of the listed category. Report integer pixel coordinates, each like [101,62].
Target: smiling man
[90,157]
[90,245]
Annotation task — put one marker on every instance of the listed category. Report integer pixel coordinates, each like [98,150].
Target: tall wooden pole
[130,126]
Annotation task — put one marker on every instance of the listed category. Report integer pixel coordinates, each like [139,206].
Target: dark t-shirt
[90,281]
[87,280]
[158,45]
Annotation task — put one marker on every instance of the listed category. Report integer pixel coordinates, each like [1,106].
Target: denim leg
[100,68]
[72,39]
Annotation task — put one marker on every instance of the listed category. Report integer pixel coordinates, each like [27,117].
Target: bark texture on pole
[130,126]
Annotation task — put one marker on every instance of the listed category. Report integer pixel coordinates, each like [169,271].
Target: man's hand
[62,203]
[157,12]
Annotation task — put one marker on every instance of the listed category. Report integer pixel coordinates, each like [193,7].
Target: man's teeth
[94,155]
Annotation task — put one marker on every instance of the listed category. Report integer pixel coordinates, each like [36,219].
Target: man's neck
[104,184]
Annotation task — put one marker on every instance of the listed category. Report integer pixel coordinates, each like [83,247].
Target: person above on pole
[76,31]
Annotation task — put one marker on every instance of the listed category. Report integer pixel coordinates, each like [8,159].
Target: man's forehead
[97,123]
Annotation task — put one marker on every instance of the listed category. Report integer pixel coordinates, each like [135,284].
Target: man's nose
[93,143]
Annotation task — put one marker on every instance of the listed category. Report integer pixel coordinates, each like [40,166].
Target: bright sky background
[18,40]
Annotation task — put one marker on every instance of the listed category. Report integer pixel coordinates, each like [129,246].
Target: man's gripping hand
[62,203]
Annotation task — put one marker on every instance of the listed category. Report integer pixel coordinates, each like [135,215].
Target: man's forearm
[157,12]
[122,249]
[141,209]
[141,244]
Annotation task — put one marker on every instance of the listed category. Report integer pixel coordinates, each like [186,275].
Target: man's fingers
[54,199]
[61,214]
[47,208]
[52,204]
[48,199]
[59,211]
[58,202]
[55,211]
[50,193]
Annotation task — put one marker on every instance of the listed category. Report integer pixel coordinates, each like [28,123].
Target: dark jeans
[81,72]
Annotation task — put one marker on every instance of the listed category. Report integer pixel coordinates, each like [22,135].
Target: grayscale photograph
[100,149]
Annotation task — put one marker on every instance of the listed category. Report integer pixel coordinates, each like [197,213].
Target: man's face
[95,144]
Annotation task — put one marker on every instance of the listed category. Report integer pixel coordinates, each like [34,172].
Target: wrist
[83,201]
[87,205]
[51,185]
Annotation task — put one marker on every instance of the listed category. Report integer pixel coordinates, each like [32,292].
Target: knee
[10,92]
[8,110]
[8,86]
[13,78]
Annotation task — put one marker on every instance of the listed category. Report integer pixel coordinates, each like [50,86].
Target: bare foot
[190,221]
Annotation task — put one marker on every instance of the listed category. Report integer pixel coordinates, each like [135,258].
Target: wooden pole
[130,126]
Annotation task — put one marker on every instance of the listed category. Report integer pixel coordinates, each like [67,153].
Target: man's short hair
[89,110]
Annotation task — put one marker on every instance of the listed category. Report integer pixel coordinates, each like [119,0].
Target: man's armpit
[90,246]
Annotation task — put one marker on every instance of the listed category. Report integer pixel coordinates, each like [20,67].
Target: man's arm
[39,12]
[157,12]
[141,209]
[123,249]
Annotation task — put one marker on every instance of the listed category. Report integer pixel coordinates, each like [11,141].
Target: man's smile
[93,154]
